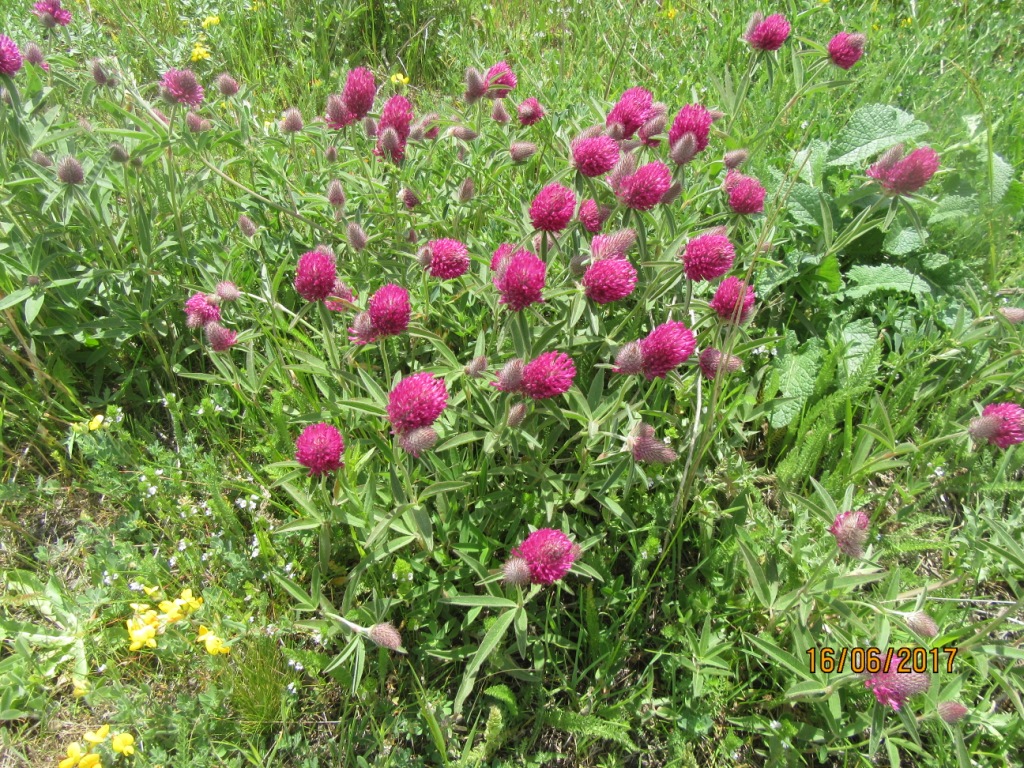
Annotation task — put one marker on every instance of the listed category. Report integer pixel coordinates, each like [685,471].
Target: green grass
[681,637]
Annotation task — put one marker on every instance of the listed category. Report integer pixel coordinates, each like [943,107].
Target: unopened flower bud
[735,158]
[475,86]
[196,123]
[356,237]
[630,358]
[118,153]
[684,150]
[99,74]
[516,571]
[409,198]
[391,143]
[425,256]
[672,193]
[716,115]
[616,131]
[628,145]
[331,154]
[466,190]
[1014,315]
[522,151]
[516,415]
[463,133]
[418,441]
[227,291]
[69,171]
[335,194]
[41,158]
[476,367]
[923,624]
[498,113]
[952,712]
[386,636]
[370,127]
[291,121]
[227,85]
[246,225]
[510,377]
[578,264]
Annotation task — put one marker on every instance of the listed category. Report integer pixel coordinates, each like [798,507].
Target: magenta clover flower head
[520,280]
[1001,424]
[712,362]
[708,256]
[199,311]
[593,216]
[499,80]
[220,339]
[359,92]
[548,375]
[390,310]
[549,554]
[851,531]
[319,448]
[10,56]
[647,448]
[595,156]
[845,49]
[416,402]
[692,119]
[746,195]
[54,9]
[510,377]
[644,189]
[609,280]
[907,175]
[499,261]
[733,301]
[553,208]
[892,687]
[530,111]
[396,115]
[417,441]
[448,258]
[315,275]
[181,85]
[666,348]
[767,34]
[631,111]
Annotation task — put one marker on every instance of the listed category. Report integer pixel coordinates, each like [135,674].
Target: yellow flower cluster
[399,79]
[147,623]
[214,644]
[670,12]
[200,51]
[121,743]
[210,21]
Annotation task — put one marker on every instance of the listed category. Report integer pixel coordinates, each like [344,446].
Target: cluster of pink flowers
[746,195]
[544,557]
[393,129]
[552,208]
[851,531]
[202,310]
[52,13]
[414,404]
[548,375]
[445,258]
[354,102]
[1000,424]
[182,86]
[388,313]
[901,175]
[892,687]
[663,350]
[319,448]
[519,277]
[10,56]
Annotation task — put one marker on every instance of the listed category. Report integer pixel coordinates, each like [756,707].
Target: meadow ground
[258,508]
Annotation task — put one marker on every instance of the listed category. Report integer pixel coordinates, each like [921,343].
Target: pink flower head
[596,155]
[746,195]
[199,311]
[851,531]
[1000,424]
[510,377]
[10,56]
[181,85]
[633,109]
[609,280]
[221,339]
[644,189]
[499,80]
[593,216]
[448,259]
[520,280]
[708,256]
[893,688]
[530,111]
[342,297]
[553,207]
[693,119]
[733,301]
[549,554]
[359,92]
[845,49]
[396,115]
[647,448]
[767,34]
[390,310]
[337,115]
[415,402]
[499,261]
[319,448]
[712,362]
[665,348]
[906,175]
[54,9]
[315,275]
[548,375]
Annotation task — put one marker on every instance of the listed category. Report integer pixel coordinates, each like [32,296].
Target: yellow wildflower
[96,422]
[139,607]
[670,13]
[210,21]
[74,755]
[188,601]
[81,688]
[99,735]
[906,22]
[399,78]
[92,760]
[141,634]
[171,611]
[200,52]
[122,744]
[151,590]
[214,644]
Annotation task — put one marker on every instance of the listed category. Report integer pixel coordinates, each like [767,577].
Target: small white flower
[182,545]
[159,472]
[205,557]
[172,562]
[775,725]
[200,411]
[142,478]
[151,490]
[135,586]
[217,409]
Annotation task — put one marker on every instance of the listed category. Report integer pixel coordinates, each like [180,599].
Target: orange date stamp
[872,660]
